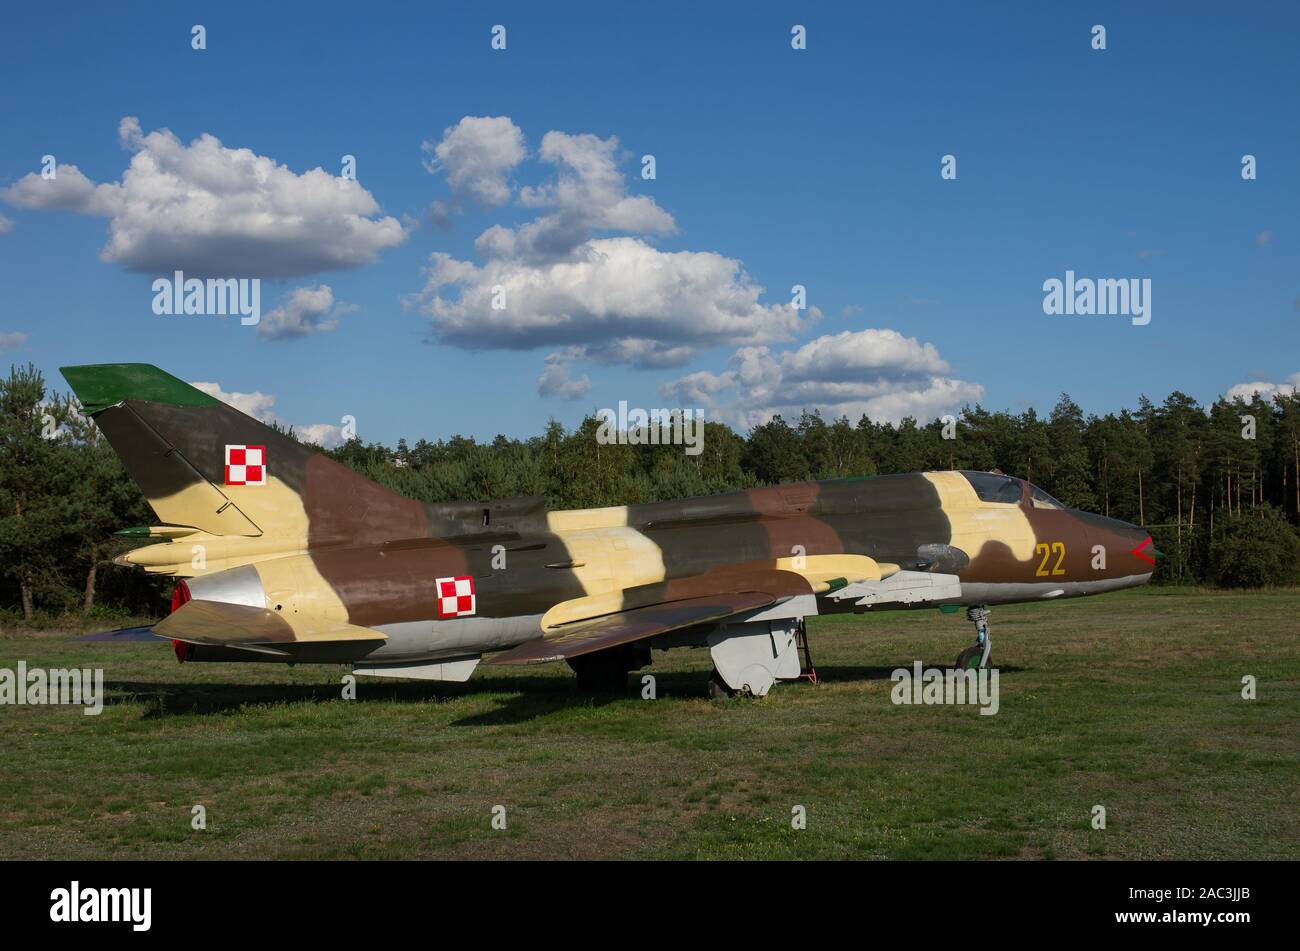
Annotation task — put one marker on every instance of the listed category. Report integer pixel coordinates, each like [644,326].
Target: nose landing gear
[977,655]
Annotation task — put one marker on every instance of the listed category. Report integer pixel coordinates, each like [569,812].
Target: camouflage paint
[335,552]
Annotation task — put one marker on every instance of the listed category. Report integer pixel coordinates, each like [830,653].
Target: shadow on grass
[521,706]
[832,673]
[519,699]
[162,699]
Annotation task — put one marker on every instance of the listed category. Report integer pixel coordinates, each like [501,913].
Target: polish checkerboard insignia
[456,597]
[245,465]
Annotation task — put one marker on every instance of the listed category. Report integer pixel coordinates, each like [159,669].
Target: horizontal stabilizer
[217,623]
[122,635]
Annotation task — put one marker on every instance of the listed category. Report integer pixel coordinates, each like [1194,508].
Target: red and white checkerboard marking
[245,465]
[456,597]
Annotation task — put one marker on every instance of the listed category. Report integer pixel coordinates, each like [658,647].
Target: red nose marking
[1140,551]
[181,596]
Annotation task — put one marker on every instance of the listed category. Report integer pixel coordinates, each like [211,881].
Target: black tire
[601,672]
[718,689]
[969,659]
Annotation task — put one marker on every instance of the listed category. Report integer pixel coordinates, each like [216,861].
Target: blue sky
[817,167]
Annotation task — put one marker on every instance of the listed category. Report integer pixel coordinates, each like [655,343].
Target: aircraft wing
[218,624]
[585,637]
[585,625]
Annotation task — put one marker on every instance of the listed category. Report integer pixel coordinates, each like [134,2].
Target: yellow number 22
[1046,550]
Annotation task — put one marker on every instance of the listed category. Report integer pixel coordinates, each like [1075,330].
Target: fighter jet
[284,555]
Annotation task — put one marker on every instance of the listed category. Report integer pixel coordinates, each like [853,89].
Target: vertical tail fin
[203,463]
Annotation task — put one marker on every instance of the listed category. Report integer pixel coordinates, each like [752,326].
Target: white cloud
[68,190]
[587,195]
[609,299]
[12,340]
[638,352]
[209,210]
[477,154]
[256,404]
[259,406]
[1267,391]
[325,435]
[6,224]
[309,310]
[878,372]
[555,380]
[847,355]
[622,300]
[700,387]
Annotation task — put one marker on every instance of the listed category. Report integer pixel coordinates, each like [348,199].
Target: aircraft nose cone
[1137,541]
[1146,549]
[1121,536]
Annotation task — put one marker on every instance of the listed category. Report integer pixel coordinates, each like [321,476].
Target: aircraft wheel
[969,659]
[718,689]
[601,672]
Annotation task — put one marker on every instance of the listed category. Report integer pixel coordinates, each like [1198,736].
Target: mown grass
[1130,701]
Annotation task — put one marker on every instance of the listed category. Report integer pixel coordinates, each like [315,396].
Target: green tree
[1070,476]
[775,454]
[34,511]
[1255,548]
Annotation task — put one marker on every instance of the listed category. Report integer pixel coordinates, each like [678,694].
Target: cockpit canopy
[995,487]
[1041,500]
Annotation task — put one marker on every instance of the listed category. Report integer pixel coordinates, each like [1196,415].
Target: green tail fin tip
[101,385]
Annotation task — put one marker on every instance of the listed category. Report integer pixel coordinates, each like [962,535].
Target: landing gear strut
[806,669]
[977,655]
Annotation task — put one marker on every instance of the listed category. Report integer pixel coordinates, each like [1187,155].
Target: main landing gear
[717,687]
[601,672]
[977,655]
[606,671]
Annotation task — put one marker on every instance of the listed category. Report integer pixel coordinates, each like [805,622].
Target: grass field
[1131,701]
